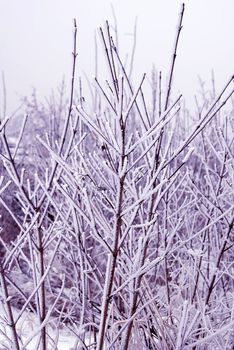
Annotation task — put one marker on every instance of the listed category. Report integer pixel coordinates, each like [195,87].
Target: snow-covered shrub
[126,237]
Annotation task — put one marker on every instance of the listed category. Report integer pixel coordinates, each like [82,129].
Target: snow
[26,326]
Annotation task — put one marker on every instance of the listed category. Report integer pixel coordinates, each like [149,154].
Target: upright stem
[42,295]
[174,58]
[10,316]
[110,272]
[111,266]
[65,129]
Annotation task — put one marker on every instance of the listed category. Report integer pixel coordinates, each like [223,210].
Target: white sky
[36,40]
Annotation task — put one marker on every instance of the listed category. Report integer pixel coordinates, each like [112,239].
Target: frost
[196,252]
[115,243]
[187,156]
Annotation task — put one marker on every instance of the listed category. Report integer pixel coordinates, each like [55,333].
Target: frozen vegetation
[117,216]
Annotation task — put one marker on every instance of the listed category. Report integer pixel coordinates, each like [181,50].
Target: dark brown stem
[10,316]
[65,129]
[42,295]
[174,58]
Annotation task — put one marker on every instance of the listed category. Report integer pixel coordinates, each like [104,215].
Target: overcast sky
[36,40]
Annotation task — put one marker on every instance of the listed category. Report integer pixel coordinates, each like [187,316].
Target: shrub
[127,225]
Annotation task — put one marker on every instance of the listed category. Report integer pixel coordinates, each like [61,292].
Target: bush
[125,236]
